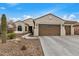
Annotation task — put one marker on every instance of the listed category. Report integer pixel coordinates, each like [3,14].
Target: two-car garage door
[49,30]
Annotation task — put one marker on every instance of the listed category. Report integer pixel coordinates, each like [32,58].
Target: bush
[23,47]
[11,35]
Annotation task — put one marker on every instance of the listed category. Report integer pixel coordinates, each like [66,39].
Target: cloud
[26,16]
[2,8]
[14,19]
[57,9]
[12,4]
[21,18]
[69,17]
[72,16]
[53,10]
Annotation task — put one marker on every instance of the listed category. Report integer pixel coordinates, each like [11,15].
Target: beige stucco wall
[49,19]
[36,30]
[29,22]
[23,27]
[72,30]
[62,30]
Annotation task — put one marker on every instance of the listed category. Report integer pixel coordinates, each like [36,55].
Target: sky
[21,11]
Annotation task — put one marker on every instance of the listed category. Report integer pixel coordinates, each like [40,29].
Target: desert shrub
[11,35]
[23,47]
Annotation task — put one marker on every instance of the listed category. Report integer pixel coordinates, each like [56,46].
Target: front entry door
[30,30]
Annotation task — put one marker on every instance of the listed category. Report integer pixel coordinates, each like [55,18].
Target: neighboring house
[51,25]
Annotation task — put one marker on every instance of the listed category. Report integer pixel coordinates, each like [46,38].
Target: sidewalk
[27,36]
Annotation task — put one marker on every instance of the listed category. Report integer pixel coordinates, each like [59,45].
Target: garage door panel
[49,30]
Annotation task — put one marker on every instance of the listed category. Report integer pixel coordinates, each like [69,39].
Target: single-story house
[47,25]
[51,25]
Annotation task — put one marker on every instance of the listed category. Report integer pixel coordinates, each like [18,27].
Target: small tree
[3,28]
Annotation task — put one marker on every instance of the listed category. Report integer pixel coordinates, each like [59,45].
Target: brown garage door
[49,30]
[68,30]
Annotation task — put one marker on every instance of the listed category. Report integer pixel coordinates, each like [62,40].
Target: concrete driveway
[60,45]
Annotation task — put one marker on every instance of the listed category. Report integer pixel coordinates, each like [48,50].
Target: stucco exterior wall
[72,30]
[29,22]
[62,30]
[49,19]
[36,30]
[23,27]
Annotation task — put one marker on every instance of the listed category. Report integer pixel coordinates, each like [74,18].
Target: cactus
[3,28]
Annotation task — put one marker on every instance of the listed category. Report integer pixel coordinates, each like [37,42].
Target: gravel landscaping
[21,47]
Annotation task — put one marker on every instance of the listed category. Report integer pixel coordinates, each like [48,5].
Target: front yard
[21,47]
[44,45]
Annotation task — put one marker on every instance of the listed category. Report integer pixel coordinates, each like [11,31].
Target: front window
[19,28]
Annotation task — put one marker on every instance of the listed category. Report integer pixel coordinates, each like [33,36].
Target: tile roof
[70,22]
[76,24]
